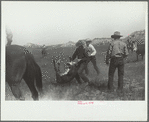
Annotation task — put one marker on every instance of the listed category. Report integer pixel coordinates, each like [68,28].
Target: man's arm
[94,50]
[108,55]
[74,55]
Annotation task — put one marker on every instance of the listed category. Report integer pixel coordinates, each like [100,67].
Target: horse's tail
[33,71]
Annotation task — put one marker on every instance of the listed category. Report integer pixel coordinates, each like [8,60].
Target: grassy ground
[134,79]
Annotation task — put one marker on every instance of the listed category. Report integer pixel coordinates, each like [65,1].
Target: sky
[59,22]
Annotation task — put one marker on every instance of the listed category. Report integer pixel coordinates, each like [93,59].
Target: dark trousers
[116,62]
[93,60]
[81,73]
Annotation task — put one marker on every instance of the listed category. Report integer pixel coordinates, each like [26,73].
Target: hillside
[32,45]
[137,35]
[68,44]
[100,40]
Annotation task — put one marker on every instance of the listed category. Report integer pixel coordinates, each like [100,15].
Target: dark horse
[20,64]
[140,50]
[70,74]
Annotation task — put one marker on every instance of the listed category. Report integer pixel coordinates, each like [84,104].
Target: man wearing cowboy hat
[116,53]
[9,36]
[81,54]
[91,53]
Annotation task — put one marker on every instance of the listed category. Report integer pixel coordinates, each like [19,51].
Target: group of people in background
[116,53]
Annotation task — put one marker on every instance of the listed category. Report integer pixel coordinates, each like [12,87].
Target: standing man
[9,36]
[91,53]
[117,52]
[44,53]
[81,54]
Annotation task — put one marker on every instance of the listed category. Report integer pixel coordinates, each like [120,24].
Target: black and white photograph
[74,60]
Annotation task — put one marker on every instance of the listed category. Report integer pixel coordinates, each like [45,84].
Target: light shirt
[117,48]
[91,50]
[135,46]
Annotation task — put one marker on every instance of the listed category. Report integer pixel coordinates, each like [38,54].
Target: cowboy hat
[80,42]
[116,34]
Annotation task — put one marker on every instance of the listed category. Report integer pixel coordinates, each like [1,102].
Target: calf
[70,74]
